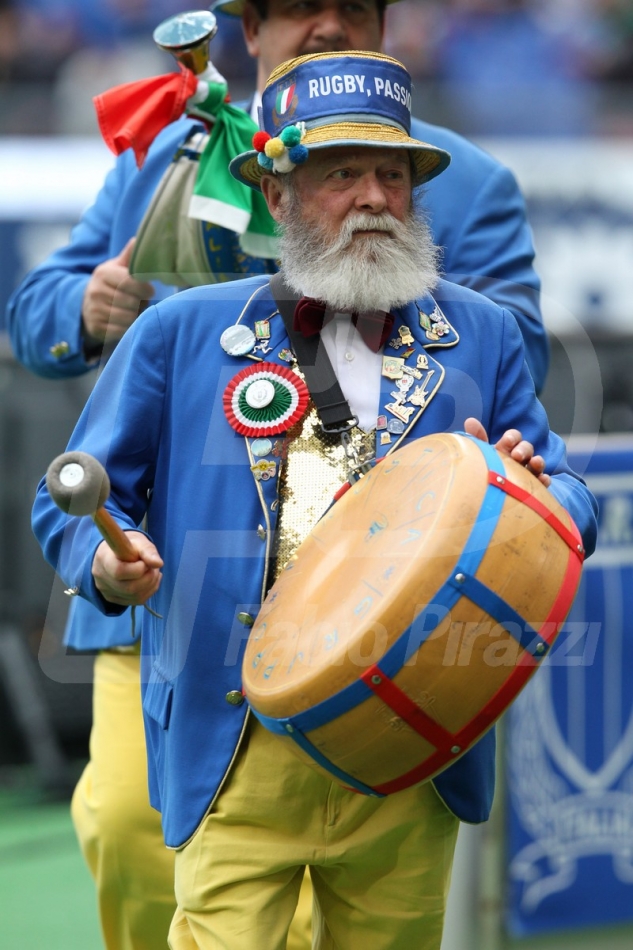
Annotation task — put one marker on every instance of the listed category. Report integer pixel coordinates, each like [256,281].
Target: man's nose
[330,26]
[370,194]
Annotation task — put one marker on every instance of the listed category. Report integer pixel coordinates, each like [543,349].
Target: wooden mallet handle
[79,485]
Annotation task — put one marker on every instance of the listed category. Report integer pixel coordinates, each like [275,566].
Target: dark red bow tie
[312,315]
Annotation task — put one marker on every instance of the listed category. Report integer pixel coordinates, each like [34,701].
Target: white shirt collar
[256,103]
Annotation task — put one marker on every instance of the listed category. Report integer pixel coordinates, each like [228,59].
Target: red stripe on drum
[427,769]
[525,666]
[565,598]
[404,707]
[442,739]
[571,537]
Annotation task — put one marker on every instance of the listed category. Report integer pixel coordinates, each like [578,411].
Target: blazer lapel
[270,345]
[411,375]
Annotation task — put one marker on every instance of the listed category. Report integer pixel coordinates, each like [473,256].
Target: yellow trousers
[120,833]
[380,867]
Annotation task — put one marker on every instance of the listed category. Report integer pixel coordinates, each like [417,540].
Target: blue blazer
[476,213]
[156,420]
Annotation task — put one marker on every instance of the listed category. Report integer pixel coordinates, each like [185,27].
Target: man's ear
[273,192]
[251,23]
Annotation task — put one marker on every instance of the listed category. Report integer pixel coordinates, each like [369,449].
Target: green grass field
[47,898]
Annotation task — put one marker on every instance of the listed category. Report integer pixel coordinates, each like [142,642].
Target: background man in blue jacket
[65,309]
[337,172]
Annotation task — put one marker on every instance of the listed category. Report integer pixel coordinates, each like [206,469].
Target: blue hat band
[359,86]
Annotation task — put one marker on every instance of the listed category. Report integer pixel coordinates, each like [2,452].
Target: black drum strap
[331,405]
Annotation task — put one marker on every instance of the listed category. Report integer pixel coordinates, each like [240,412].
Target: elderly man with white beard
[230,416]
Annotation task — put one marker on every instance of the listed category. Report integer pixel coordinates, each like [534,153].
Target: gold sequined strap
[314,467]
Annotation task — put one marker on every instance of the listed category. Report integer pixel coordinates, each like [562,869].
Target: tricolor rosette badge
[265,399]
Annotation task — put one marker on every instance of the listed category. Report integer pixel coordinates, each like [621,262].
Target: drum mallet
[79,485]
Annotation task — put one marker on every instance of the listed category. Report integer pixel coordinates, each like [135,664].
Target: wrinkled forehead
[361,156]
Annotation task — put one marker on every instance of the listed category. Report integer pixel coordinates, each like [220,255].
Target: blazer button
[59,349]
[247,619]
[234,697]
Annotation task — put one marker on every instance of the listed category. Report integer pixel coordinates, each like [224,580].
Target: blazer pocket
[158,698]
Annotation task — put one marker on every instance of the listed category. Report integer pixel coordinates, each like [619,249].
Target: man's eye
[357,9]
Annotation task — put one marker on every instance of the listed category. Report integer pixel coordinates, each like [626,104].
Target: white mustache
[370,222]
[365,222]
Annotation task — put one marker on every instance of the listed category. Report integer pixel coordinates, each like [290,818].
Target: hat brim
[428,160]
[236,7]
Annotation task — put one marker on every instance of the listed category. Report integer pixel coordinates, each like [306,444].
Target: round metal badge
[261,448]
[237,340]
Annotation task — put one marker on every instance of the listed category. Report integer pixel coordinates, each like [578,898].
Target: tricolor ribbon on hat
[132,115]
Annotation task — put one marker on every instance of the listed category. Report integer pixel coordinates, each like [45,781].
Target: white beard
[363,274]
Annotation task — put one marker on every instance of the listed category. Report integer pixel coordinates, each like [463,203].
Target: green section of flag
[232,134]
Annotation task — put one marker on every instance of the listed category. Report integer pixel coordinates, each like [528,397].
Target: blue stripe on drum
[287,727]
[501,611]
[412,638]
[332,707]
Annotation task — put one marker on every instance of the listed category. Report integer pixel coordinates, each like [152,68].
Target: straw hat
[331,99]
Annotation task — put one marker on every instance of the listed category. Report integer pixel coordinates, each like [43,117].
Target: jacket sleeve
[515,406]
[120,426]
[490,249]
[44,312]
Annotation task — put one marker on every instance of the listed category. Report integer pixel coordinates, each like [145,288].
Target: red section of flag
[132,115]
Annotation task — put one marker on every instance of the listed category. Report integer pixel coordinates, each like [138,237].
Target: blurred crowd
[489,66]
[558,67]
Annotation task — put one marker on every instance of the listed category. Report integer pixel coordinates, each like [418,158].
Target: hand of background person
[128,582]
[113,299]
[515,446]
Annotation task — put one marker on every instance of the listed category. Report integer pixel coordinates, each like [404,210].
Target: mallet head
[77,483]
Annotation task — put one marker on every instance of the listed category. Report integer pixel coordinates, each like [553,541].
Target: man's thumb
[475,428]
[125,256]
[147,551]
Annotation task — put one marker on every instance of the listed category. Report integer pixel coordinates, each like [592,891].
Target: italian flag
[284,98]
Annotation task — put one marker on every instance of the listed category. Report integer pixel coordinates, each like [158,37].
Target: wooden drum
[413,613]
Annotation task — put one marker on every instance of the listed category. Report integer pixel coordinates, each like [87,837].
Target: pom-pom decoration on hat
[260,139]
[284,152]
[266,399]
[274,148]
[298,154]
[292,135]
